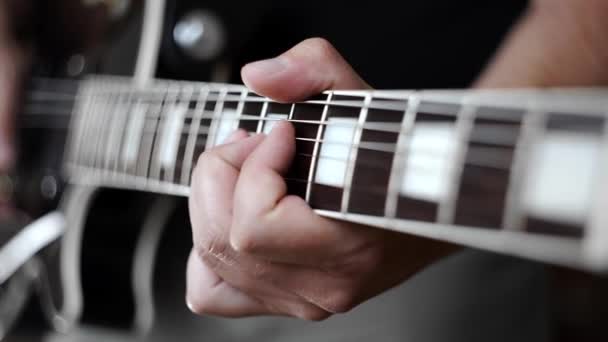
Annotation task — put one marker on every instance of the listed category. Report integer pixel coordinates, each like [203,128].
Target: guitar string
[107,85]
[379,126]
[374,164]
[360,162]
[262,100]
[120,173]
[505,161]
[375,146]
[369,144]
[371,125]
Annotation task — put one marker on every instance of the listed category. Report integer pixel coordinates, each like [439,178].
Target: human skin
[259,251]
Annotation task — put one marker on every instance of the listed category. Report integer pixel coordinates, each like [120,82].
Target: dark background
[392,44]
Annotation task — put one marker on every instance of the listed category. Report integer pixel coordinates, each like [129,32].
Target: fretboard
[521,172]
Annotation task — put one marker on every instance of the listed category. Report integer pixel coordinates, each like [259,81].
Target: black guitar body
[134,245]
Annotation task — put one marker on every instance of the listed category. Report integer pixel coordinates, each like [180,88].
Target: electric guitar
[519,172]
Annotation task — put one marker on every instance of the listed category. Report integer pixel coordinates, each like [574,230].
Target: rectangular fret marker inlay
[559,183]
[335,147]
[430,152]
[171,135]
[134,134]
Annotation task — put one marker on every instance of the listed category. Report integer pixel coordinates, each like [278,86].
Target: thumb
[307,69]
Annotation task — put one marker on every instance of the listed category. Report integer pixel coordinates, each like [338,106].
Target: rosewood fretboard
[520,172]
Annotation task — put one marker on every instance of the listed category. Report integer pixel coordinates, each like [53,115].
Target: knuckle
[212,166]
[243,241]
[320,46]
[210,246]
[341,301]
[311,313]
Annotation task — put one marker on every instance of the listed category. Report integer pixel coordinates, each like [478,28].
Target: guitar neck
[519,172]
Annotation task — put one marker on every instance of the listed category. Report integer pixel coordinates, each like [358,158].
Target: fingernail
[267,67]
[189,305]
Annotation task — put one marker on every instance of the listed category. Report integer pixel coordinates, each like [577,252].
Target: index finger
[283,228]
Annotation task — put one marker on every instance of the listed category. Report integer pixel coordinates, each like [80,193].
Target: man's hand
[258,250]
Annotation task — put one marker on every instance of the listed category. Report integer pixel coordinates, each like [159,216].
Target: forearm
[555,43]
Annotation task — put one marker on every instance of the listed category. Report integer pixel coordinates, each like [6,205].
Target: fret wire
[240,106]
[193,136]
[261,119]
[87,138]
[155,164]
[239,109]
[110,137]
[464,125]
[124,134]
[291,111]
[133,103]
[315,150]
[90,131]
[185,98]
[352,155]
[595,243]
[109,133]
[531,131]
[75,135]
[116,124]
[147,143]
[215,121]
[103,131]
[400,157]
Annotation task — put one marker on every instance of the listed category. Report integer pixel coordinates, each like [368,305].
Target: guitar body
[118,270]
[90,275]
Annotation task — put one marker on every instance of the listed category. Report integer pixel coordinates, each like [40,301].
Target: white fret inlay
[335,147]
[271,119]
[134,134]
[560,179]
[171,135]
[430,152]
[227,125]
